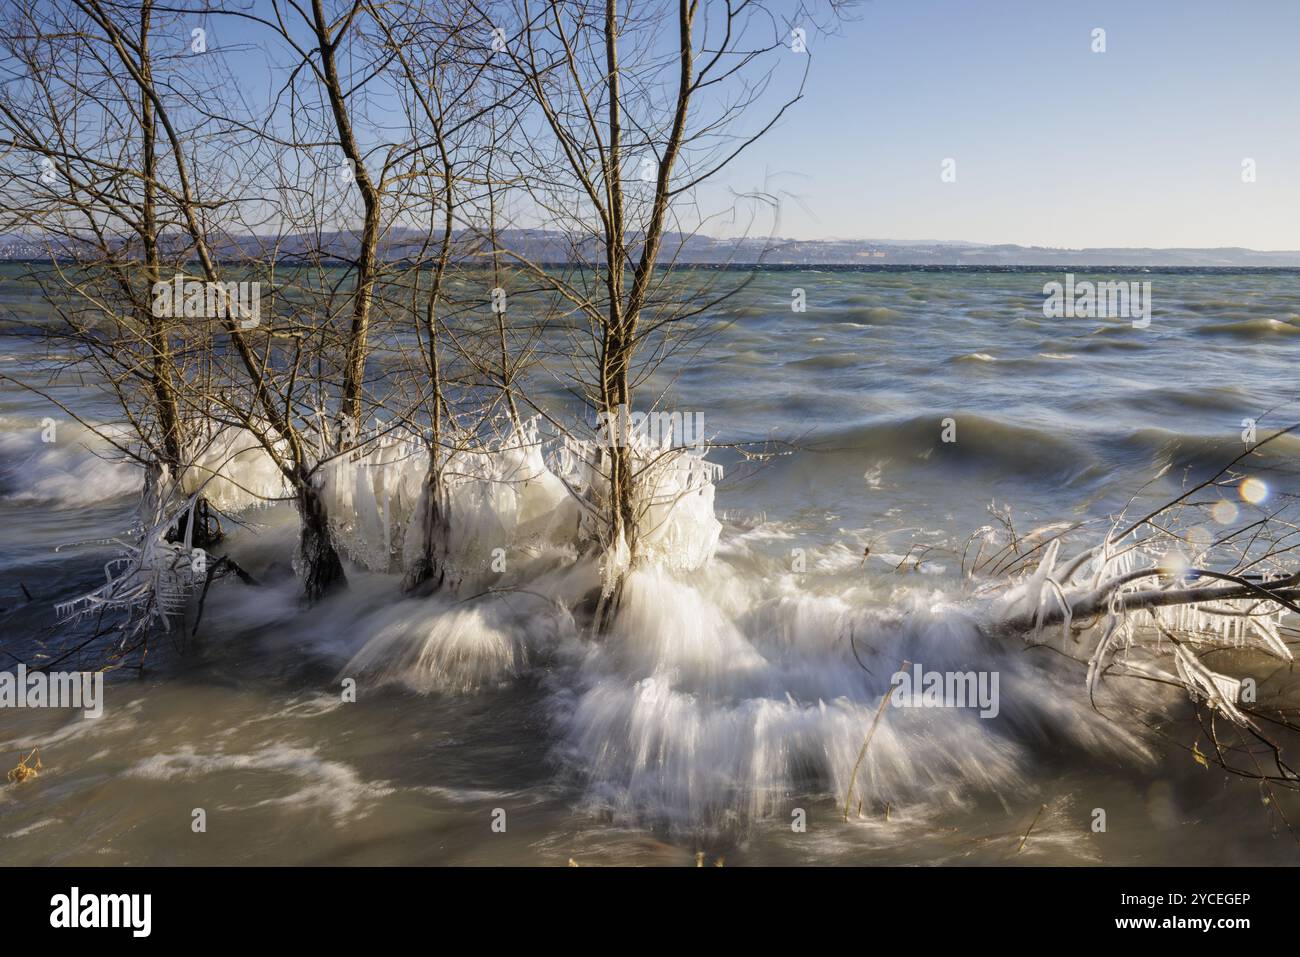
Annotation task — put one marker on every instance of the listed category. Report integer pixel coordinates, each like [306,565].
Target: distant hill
[550,247]
[972,254]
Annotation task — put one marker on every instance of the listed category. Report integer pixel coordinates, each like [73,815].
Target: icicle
[1219,691]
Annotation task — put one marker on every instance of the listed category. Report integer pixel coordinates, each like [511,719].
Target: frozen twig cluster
[1183,599]
[150,582]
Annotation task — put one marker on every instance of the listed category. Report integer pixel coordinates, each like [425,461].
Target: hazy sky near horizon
[1055,145]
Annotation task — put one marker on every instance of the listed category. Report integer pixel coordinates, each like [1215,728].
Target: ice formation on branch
[506,493]
[498,495]
[151,580]
[673,489]
[234,470]
[1129,595]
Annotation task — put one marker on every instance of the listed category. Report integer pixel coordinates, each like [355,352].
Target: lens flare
[1174,562]
[1224,511]
[1253,490]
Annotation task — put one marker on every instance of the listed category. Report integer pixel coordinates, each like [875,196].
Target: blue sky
[1054,145]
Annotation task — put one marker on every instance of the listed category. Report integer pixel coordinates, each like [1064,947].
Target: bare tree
[90,177]
[632,108]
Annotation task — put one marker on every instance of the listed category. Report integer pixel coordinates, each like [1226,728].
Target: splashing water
[730,689]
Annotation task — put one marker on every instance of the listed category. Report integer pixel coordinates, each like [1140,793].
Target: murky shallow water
[728,700]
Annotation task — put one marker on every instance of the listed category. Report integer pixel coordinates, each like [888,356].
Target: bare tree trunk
[620,332]
[319,564]
[616,346]
[354,368]
[194,521]
[435,527]
[430,566]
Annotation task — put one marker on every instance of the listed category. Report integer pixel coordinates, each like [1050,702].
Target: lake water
[730,703]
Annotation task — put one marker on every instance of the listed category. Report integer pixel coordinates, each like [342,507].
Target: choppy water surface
[725,699]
